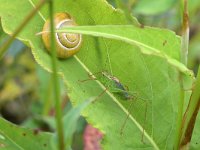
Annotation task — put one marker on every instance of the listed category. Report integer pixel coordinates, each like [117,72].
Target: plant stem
[6,45]
[185,33]
[58,109]
[191,112]
[190,115]
[184,55]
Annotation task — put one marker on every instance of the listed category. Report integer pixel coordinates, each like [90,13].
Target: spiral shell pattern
[67,44]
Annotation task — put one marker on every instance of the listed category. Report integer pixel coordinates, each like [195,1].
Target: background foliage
[151,76]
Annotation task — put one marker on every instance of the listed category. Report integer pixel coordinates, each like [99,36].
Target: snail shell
[67,44]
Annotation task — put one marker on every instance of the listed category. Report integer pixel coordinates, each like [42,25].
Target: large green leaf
[16,138]
[154,79]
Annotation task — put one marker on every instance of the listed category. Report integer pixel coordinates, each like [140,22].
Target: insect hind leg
[124,122]
[128,115]
[98,96]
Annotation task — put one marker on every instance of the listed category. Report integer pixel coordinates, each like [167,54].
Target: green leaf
[16,138]
[154,79]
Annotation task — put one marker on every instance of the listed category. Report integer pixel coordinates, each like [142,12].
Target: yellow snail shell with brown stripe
[67,44]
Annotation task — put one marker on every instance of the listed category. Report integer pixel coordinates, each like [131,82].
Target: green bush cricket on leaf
[114,85]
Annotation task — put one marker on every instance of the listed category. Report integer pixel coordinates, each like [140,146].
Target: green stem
[184,55]
[185,33]
[6,45]
[190,115]
[59,123]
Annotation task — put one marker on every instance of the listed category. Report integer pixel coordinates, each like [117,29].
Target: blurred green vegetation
[26,96]
[26,89]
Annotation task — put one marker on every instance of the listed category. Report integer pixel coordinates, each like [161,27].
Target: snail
[67,44]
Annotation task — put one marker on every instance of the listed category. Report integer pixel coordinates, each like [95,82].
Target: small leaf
[71,119]
[70,123]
